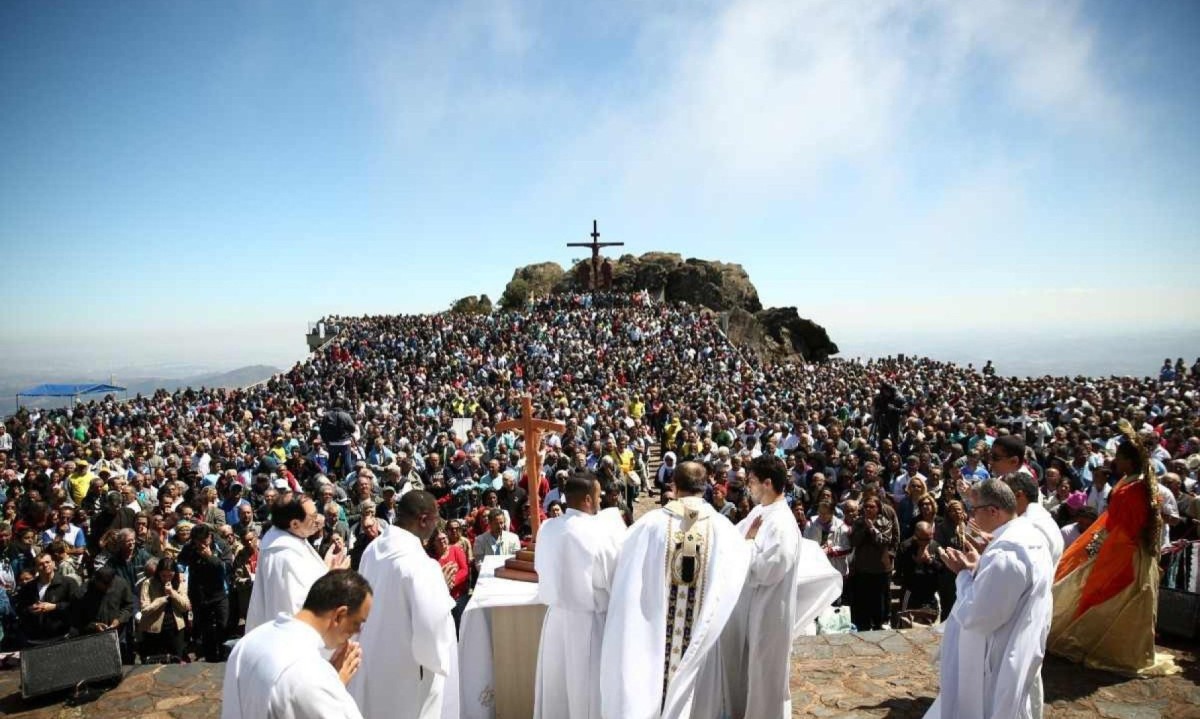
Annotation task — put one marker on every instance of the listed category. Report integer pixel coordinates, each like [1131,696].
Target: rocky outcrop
[795,334]
[722,287]
[532,280]
[469,305]
[719,286]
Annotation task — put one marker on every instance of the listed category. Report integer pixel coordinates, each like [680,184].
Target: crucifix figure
[532,429]
[592,278]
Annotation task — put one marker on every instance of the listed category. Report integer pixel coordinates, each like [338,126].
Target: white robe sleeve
[770,558]
[604,567]
[987,600]
[433,639]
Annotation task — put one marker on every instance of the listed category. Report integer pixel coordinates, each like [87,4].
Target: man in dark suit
[106,604]
[44,605]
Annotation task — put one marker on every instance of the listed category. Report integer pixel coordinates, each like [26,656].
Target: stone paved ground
[894,675]
[876,674]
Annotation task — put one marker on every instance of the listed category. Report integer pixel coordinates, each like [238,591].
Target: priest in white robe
[410,651]
[278,670]
[287,564]
[678,577]
[576,558]
[1028,496]
[996,634]
[790,583]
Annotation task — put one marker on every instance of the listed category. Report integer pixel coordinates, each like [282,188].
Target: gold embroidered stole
[688,549]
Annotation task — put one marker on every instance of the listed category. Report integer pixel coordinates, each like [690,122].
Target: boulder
[540,279]
[795,334]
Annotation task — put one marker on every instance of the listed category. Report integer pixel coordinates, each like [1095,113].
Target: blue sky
[195,181]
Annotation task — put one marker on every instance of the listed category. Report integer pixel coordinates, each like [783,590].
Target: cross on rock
[592,278]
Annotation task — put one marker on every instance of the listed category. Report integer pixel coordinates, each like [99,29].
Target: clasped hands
[957,561]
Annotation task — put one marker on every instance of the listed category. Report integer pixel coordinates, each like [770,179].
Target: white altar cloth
[475,636]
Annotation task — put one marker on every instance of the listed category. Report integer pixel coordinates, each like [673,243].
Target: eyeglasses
[973,510]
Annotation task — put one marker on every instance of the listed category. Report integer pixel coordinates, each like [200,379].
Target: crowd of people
[144,516]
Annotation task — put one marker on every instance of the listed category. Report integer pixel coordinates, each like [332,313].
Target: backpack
[334,427]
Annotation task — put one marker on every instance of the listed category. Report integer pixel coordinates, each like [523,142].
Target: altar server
[790,583]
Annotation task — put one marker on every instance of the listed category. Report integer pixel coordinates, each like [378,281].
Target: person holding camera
[210,602]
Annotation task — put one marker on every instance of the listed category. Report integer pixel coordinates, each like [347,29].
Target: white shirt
[1170,508]
[900,485]
[70,537]
[277,672]
[1097,496]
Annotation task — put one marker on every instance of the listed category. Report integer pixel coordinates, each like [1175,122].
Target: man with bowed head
[678,578]
[287,563]
[790,582]
[410,647]
[996,634]
[278,672]
[576,558]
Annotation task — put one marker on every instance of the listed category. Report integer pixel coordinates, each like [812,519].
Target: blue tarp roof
[69,390]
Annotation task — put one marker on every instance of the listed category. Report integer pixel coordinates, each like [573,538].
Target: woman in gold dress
[1106,586]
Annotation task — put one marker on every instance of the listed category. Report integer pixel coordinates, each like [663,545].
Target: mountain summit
[775,334]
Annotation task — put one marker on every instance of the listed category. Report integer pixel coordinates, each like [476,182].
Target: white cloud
[1045,49]
[728,103]
[446,66]
[765,97]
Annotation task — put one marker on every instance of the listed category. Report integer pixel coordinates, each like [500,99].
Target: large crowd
[143,516]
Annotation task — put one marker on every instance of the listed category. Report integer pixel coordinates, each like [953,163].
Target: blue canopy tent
[74,391]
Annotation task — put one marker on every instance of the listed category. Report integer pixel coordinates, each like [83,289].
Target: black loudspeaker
[70,664]
[1179,613]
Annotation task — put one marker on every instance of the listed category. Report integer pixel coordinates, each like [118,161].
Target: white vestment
[410,652]
[1055,541]
[278,672]
[614,521]
[996,635]
[288,566]
[576,558]
[1045,524]
[838,539]
[634,659]
[791,582]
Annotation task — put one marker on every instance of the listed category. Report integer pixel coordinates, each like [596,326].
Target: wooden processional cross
[521,568]
[595,245]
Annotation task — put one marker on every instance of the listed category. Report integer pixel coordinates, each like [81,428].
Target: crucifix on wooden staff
[532,430]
